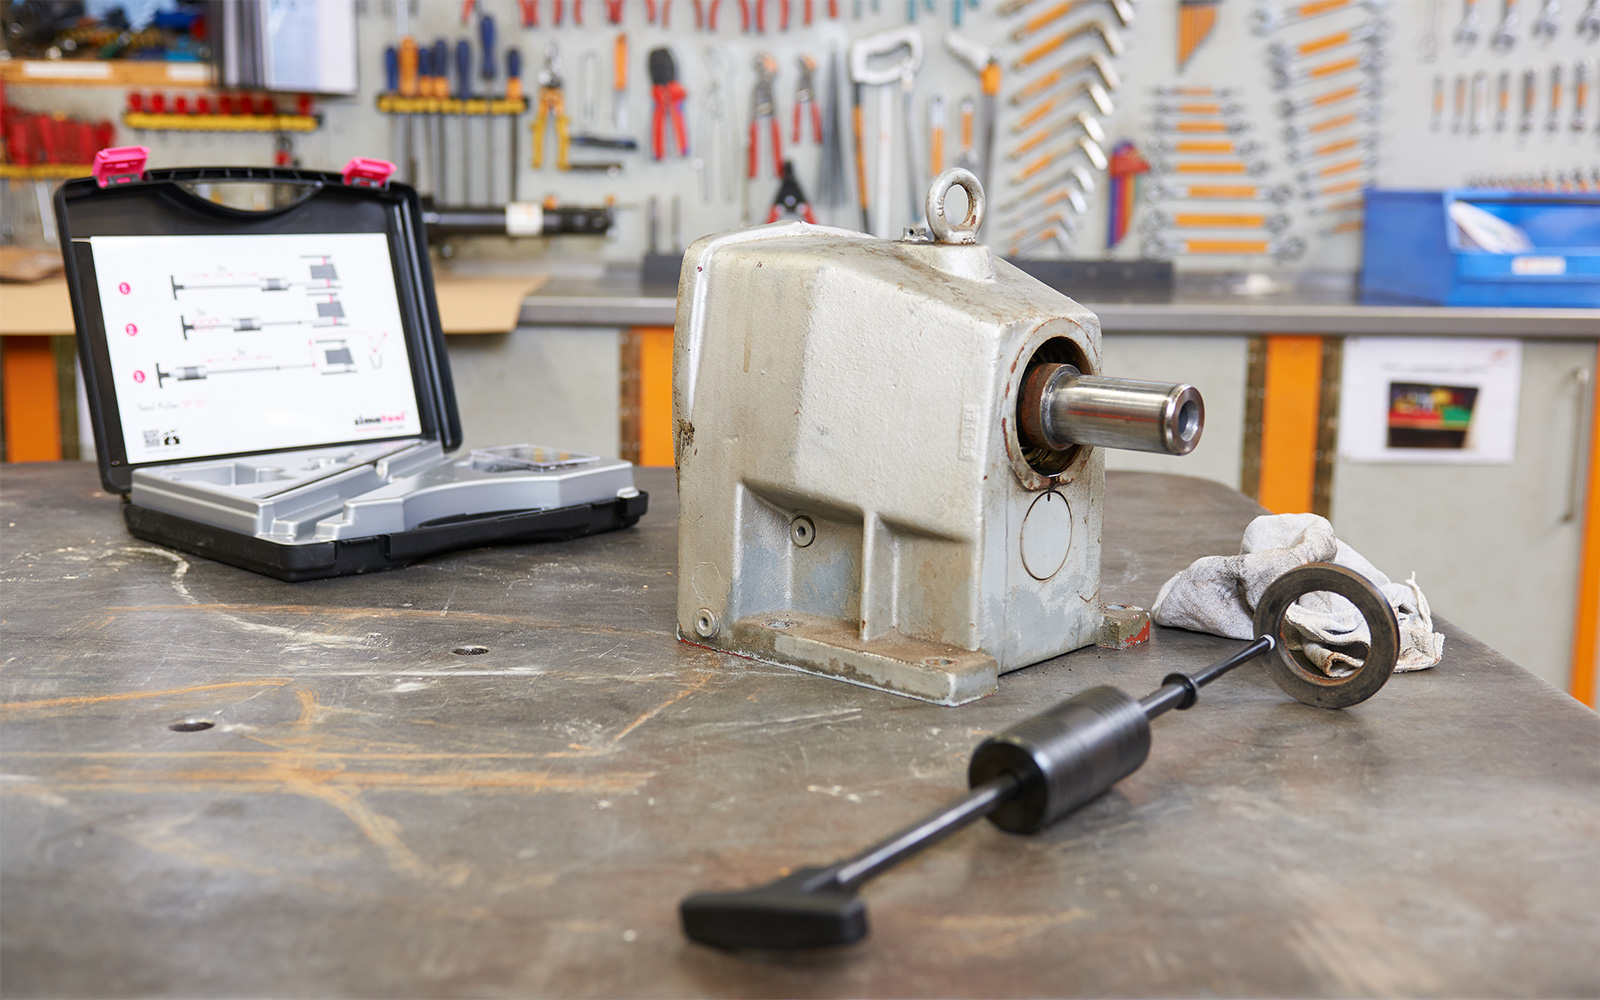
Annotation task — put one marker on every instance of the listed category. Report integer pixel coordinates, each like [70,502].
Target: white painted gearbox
[856,500]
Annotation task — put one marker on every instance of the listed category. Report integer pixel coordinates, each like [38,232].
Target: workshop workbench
[374,814]
[1199,303]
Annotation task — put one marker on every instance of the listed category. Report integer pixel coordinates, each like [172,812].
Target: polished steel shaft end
[1062,407]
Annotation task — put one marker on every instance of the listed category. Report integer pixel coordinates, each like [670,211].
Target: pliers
[551,103]
[761,15]
[763,105]
[669,96]
[791,200]
[805,95]
[744,15]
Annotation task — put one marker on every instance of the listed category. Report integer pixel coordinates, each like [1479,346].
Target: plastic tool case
[1414,254]
[270,388]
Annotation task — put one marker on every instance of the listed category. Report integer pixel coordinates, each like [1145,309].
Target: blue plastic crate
[1413,255]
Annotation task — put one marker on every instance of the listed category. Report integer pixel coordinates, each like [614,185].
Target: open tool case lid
[138,243]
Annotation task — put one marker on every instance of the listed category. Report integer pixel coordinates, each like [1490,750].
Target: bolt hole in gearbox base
[1040,770]
[896,447]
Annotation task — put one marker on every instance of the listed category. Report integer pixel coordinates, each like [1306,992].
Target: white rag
[1218,594]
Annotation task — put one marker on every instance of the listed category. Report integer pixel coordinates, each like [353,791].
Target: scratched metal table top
[372,814]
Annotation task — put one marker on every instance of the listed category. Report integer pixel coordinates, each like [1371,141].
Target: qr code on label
[152,439]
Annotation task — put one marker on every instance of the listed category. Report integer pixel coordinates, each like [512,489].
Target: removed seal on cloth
[1218,594]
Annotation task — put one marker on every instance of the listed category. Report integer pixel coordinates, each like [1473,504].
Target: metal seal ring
[966,231]
[1311,686]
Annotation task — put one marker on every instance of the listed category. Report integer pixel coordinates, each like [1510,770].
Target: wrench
[1589,21]
[1236,168]
[1283,249]
[1552,124]
[1290,106]
[1480,103]
[1333,148]
[1546,24]
[1530,88]
[1471,25]
[1505,36]
[1273,222]
[1580,93]
[1277,194]
[1370,61]
[1269,17]
[1502,115]
[1436,121]
[1284,53]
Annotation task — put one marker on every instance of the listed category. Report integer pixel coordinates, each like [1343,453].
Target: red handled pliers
[805,96]
[763,105]
[669,96]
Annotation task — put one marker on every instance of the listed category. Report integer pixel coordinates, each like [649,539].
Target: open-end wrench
[1589,21]
[1502,101]
[1333,147]
[1360,163]
[1480,103]
[1458,117]
[1338,207]
[1207,109]
[1156,219]
[1436,120]
[1198,126]
[1552,122]
[1336,188]
[1205,147]
[1581,74]
[1291,106]
[1268,17]
[1530,91]
[1286,77]
[1505,36]
[1471,25]
[1094,60]
[1168,190]
[1283,248]
[1209,168]
[1548,22]
[1372,32]
[1322,126]
[1194,91]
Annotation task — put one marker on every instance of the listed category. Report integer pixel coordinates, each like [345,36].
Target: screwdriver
[486,38]
[464,93]
[424,91]
[408,88]
[514,96]
[391,78]
[440,92]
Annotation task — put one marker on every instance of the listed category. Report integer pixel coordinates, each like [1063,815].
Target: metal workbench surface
[1201,304]
[373,814]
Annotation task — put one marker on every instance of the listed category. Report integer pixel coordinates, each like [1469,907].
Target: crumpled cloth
[1219,594]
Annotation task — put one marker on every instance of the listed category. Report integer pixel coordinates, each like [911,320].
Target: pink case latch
[366,172]
[120,165]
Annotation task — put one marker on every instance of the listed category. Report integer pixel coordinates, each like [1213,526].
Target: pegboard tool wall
[1409,152]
